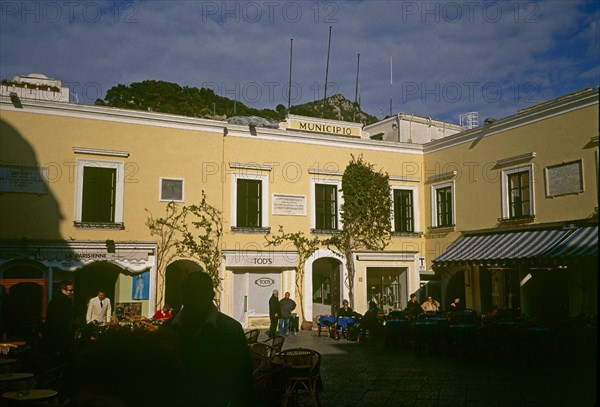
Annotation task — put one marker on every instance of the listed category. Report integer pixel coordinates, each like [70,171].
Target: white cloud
[448,57]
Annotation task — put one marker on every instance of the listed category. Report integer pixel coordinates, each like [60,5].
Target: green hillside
[167,97]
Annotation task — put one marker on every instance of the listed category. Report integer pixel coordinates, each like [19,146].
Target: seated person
[345,311]
[430,305]
[162,314]
[457,305]
[413,309]
[370,321]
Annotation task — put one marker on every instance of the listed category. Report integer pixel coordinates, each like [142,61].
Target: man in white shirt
[99,309]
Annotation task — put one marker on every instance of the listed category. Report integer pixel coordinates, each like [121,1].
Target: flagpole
[327,67]
[290,80]
[391,84]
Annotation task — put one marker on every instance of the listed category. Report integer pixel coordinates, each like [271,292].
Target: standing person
[60,319]
[213,347]
[99,309]
[274,312]
[430,305]
[287,305]
[413,309]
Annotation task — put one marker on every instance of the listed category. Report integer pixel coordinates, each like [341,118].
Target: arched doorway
[174,275]
[24,289]
[326,286]
[88,280]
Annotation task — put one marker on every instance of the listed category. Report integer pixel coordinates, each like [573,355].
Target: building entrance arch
[23,298]
[327,286]
[174,276]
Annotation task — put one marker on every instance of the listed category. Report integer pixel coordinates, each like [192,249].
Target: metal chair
[252,336]
[303,372]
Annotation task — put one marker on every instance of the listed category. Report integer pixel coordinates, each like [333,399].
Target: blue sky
[447,57]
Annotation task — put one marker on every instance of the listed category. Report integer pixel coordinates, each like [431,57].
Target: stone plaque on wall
[23,179]
[564,179]
[289,205]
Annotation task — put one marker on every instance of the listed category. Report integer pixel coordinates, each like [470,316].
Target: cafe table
[345,324]
[325,321]
[33,395]
[15,381]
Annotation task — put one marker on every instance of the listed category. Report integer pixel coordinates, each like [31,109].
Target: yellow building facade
[79,183]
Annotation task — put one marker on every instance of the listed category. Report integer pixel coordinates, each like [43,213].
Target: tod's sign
[264,281]
[268,259]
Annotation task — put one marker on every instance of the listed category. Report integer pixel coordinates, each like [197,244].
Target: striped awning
[501,247]
[582,242]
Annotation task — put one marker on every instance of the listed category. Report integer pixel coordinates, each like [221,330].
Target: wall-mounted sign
[23,179]
[254,258]
[264,281]
[336,127]
[289,205]
[564,179]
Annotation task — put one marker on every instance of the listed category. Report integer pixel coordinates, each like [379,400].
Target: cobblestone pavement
[370,373]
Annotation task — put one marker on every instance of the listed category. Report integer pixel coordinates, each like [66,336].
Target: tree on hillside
[365,213]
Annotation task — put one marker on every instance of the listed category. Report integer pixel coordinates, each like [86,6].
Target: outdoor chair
[264,349]
[276,342]
[303,372]
[252,336]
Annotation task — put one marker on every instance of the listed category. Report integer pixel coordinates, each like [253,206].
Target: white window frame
[160,189]
[434,203]
[505,195]
[264,201]
[313,209]
[416,211]
[119,188]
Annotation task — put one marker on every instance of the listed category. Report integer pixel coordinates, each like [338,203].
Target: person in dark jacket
[413,309]
[274,312]
[213,347]
[59,331]
[287,305]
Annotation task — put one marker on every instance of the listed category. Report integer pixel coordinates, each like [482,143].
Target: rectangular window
[326,206]
[171,189]
[518,194]
[403,210]
[444,206]
[99,194]
[249,203]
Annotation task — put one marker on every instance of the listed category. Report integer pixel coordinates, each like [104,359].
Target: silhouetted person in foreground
[120,367]
[213,347]
[59,331]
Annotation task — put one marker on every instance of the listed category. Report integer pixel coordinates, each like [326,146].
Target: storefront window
[386,286]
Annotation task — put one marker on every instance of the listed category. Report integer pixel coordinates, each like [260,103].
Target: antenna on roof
[469,120]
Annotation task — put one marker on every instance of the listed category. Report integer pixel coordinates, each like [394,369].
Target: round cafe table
[30,395]
[10,377]
[6,363]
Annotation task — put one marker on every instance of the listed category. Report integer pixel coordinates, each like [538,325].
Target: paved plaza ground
[370,373]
